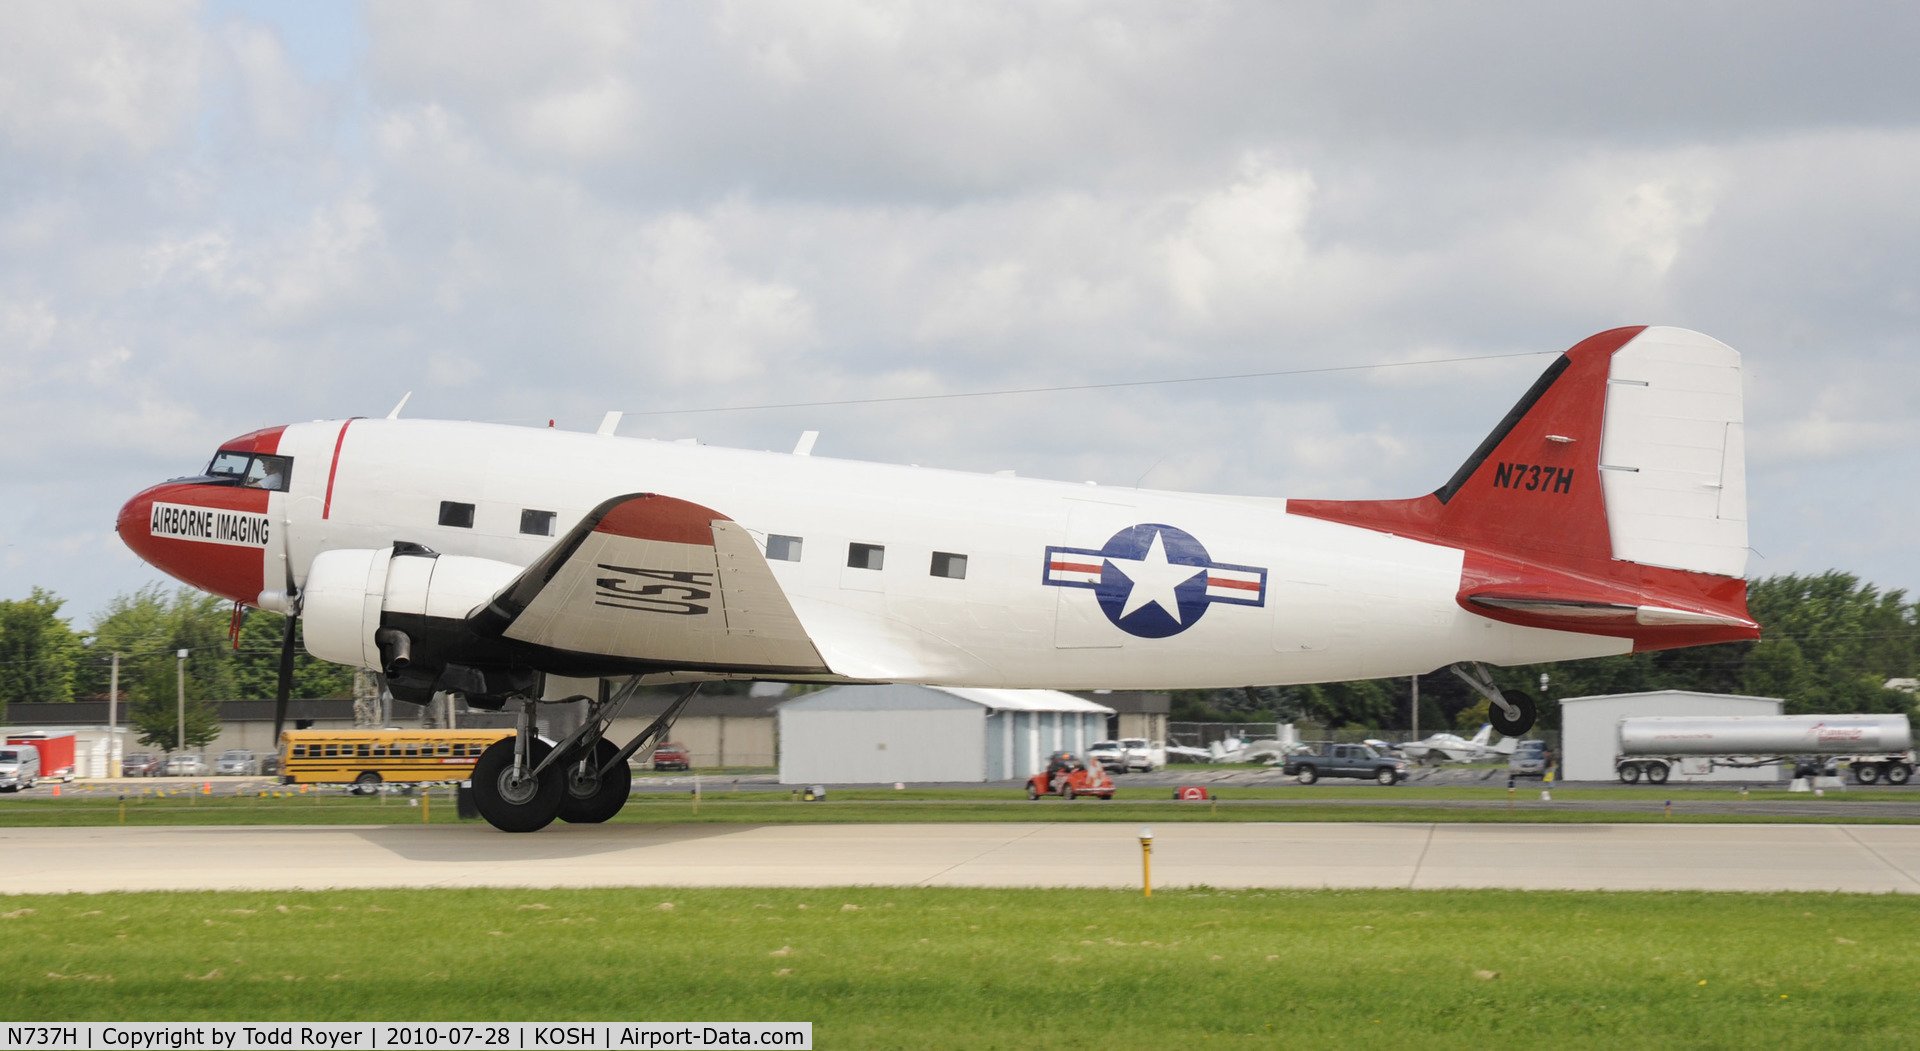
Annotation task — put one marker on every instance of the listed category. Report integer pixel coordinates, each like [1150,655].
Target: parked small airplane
[1452,748]
[1605,514]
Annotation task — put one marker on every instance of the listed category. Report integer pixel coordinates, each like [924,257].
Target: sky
[217,217]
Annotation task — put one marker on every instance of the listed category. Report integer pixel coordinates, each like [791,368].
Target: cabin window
[947,564]
[299,751]
[333,751]
[363,750]
[865,556]
[783,548]
[251,471]
[536,523]
[413,749]
[458,515]
[379,751]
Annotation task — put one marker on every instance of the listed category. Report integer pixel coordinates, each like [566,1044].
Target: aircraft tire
[1899,773]
[603,798]
[1630,773]
[1657,773]
[1514,727]
[1866,773]
[510,807]
[1308,775]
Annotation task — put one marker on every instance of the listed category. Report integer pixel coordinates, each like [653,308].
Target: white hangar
[889,733]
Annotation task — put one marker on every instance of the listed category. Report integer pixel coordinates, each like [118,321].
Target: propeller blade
[285,691]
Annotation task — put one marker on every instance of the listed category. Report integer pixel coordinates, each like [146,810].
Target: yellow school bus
[369,757]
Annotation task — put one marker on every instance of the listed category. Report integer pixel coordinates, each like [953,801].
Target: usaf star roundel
[1155,580]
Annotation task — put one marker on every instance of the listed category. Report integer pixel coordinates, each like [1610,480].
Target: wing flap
[651,578]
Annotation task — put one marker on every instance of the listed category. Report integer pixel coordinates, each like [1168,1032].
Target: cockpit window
[251,471]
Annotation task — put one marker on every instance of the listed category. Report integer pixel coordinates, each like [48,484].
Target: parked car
[1109,754]
[237,762]
[19,767]
[1529,759]
[1346,760]
[1142,754]
[186,764]
[141,764]
[269,766]
[672,755]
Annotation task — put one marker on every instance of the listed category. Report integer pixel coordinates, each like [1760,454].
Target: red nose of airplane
[214,537]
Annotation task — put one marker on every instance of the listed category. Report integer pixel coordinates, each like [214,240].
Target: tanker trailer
[1878,747]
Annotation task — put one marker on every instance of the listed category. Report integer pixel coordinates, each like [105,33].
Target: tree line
[44,658]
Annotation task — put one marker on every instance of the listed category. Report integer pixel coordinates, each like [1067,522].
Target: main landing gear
[1511,712]
[521,783]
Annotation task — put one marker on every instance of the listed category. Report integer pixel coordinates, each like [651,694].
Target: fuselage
[1057,585]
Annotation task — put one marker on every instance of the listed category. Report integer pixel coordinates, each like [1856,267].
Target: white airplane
[1605,514]
[1452,748]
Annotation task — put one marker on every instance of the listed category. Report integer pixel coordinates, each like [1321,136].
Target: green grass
[964,968]
[723,806]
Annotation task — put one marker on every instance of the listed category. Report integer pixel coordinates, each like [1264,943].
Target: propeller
[285,691]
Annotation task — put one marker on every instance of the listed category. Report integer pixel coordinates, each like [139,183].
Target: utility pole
[1416,707]
[180,677]
[113,721]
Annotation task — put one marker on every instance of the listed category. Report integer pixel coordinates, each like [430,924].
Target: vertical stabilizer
[1611,500]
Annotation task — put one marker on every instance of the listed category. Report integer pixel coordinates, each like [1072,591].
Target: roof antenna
[395,414]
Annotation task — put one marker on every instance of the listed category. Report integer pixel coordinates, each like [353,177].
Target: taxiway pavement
[1741,857]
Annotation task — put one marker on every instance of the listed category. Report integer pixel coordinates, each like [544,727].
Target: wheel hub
[583,784]
[517,789]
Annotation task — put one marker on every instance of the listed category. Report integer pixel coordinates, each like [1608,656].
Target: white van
[19,767]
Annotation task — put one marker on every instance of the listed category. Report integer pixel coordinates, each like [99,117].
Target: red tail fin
[1610,501]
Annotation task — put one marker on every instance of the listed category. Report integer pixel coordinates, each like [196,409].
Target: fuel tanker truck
[1877,747]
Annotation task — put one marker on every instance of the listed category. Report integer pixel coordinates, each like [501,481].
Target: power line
[1084,386]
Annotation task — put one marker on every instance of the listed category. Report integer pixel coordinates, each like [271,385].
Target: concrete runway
[1859,858]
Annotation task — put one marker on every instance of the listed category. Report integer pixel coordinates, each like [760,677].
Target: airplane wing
[651,578]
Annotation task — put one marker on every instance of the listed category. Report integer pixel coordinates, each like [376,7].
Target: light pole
[113,721]
[180,680]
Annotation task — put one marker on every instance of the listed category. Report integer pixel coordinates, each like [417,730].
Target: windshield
[251,471]
[9,757]
[1133,742]
[236,755]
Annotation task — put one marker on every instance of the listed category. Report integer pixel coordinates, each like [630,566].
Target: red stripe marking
[326,509]
[1223,582]
[1072,567]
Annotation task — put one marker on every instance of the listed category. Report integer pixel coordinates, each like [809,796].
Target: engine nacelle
[350,593]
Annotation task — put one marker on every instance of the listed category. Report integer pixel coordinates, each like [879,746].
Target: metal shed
[1590,731]
[884,734]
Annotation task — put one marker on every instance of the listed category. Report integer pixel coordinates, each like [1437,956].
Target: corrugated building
[884,734]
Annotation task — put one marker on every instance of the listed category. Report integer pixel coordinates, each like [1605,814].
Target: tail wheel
[511,803]
[1898,773]
[592,797]
[1630,773]
[1657,773]
[1308,775]
[1520,722]
[1866,773]
[366,784]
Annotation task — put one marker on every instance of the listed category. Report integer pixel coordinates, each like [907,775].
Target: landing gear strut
[521,783]
[1511,712]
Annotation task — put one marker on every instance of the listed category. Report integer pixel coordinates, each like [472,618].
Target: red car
[672,755]
[1069,777]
